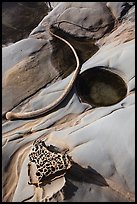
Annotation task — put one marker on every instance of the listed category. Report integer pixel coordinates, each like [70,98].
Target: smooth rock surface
[100,140]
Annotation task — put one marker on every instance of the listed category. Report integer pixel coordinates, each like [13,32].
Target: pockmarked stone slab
[50,163]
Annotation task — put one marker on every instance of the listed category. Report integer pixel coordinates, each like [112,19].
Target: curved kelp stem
[36,113]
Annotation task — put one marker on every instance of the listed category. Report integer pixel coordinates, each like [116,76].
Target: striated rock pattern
[96,121]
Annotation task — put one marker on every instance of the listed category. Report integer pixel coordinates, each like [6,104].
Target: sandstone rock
[100,140]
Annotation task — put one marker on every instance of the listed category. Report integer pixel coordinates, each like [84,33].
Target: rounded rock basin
[99,86]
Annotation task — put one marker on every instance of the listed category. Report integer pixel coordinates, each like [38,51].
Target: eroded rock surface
[100,139]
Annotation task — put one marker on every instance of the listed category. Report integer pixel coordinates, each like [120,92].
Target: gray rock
[119,9]
[82,19]
[100,140]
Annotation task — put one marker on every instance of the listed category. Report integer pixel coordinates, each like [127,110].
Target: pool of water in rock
[101,87]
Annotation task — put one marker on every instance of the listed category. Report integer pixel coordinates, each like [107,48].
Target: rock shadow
[87,175]
[82,175]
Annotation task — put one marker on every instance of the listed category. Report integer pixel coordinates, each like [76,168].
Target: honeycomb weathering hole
[99,86]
